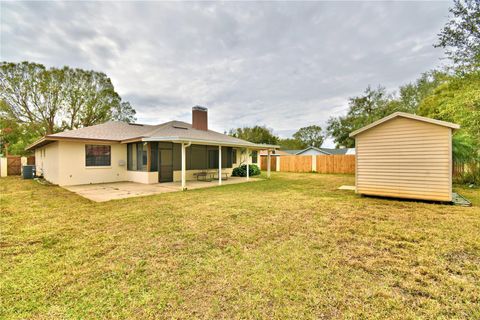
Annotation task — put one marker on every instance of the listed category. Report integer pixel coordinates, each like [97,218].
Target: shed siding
[405,158]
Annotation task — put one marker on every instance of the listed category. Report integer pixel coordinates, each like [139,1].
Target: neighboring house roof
[128,132]
[314,149]
[326,151]
[274,153]
[291,151]
[405,115]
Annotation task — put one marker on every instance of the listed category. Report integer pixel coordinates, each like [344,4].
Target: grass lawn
[292,247]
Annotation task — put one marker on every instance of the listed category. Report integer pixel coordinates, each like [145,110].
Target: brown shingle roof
[122,131]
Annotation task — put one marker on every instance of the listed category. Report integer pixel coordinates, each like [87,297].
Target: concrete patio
[119,190]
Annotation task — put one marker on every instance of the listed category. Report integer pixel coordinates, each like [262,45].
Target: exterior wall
[143,176]
[72,169]
[405,158]
[47,162]
[63,163]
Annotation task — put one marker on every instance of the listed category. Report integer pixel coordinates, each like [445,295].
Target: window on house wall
[234,156]
[254,156]
[97,155]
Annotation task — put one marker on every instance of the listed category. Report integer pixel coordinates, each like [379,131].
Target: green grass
[292,247]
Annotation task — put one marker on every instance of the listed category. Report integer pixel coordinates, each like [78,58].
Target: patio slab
[102,192]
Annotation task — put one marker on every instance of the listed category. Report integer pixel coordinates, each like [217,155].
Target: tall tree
[51,100]
[256,134]
[372,105]
[461,35]
[291,144]
[457,100]
[311,136]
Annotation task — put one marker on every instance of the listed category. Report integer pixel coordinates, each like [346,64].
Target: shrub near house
[241,171]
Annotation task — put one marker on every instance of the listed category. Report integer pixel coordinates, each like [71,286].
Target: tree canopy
[256,134]
[460,37]
[310,136]
[37,100]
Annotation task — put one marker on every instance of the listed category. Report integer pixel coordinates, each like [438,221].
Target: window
[97,155]
[254,156]
[234,156]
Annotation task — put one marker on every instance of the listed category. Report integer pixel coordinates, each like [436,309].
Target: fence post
[314,163]
[3,167]
[23,162]
[277,165]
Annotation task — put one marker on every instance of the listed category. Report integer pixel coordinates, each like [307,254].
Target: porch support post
[248,164]
[268,163]
[219,165]
[184,183]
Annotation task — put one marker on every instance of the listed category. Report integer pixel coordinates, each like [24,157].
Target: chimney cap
[199,108]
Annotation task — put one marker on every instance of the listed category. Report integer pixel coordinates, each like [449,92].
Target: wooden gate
[263,163]
[14,165]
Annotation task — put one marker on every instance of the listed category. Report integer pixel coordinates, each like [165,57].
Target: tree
[31,94]
[461,35]
[291,144]
[310,136]
[458,100]
[372,105]
[256,134]
[52,100]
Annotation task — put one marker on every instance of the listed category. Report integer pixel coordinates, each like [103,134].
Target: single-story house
[120,151]
[405,156]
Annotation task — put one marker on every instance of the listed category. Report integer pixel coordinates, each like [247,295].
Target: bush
[242,170]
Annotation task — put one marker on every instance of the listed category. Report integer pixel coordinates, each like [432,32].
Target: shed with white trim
[405,156]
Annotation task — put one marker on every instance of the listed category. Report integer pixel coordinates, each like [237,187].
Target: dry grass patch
[292,247]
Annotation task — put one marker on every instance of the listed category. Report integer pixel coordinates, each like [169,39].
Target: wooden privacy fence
[273,163]
[336,164]
[310,163]
[459,169]
[296,163]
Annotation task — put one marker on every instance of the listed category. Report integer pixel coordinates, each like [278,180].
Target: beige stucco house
[405,156]
[119,151]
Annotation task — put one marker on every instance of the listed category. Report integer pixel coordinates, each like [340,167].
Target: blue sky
[281,64]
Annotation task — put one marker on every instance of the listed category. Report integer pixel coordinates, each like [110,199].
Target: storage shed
[405,156]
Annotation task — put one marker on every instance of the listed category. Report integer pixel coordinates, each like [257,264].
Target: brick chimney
[200,118]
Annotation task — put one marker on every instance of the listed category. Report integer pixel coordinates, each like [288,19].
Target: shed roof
[405,115]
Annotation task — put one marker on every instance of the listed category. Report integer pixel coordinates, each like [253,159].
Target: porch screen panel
[141,157]
[177,156]
[154,156]
[129,157]
[212,159]
[198,158]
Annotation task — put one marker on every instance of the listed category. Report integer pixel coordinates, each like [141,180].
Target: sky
[285,65]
